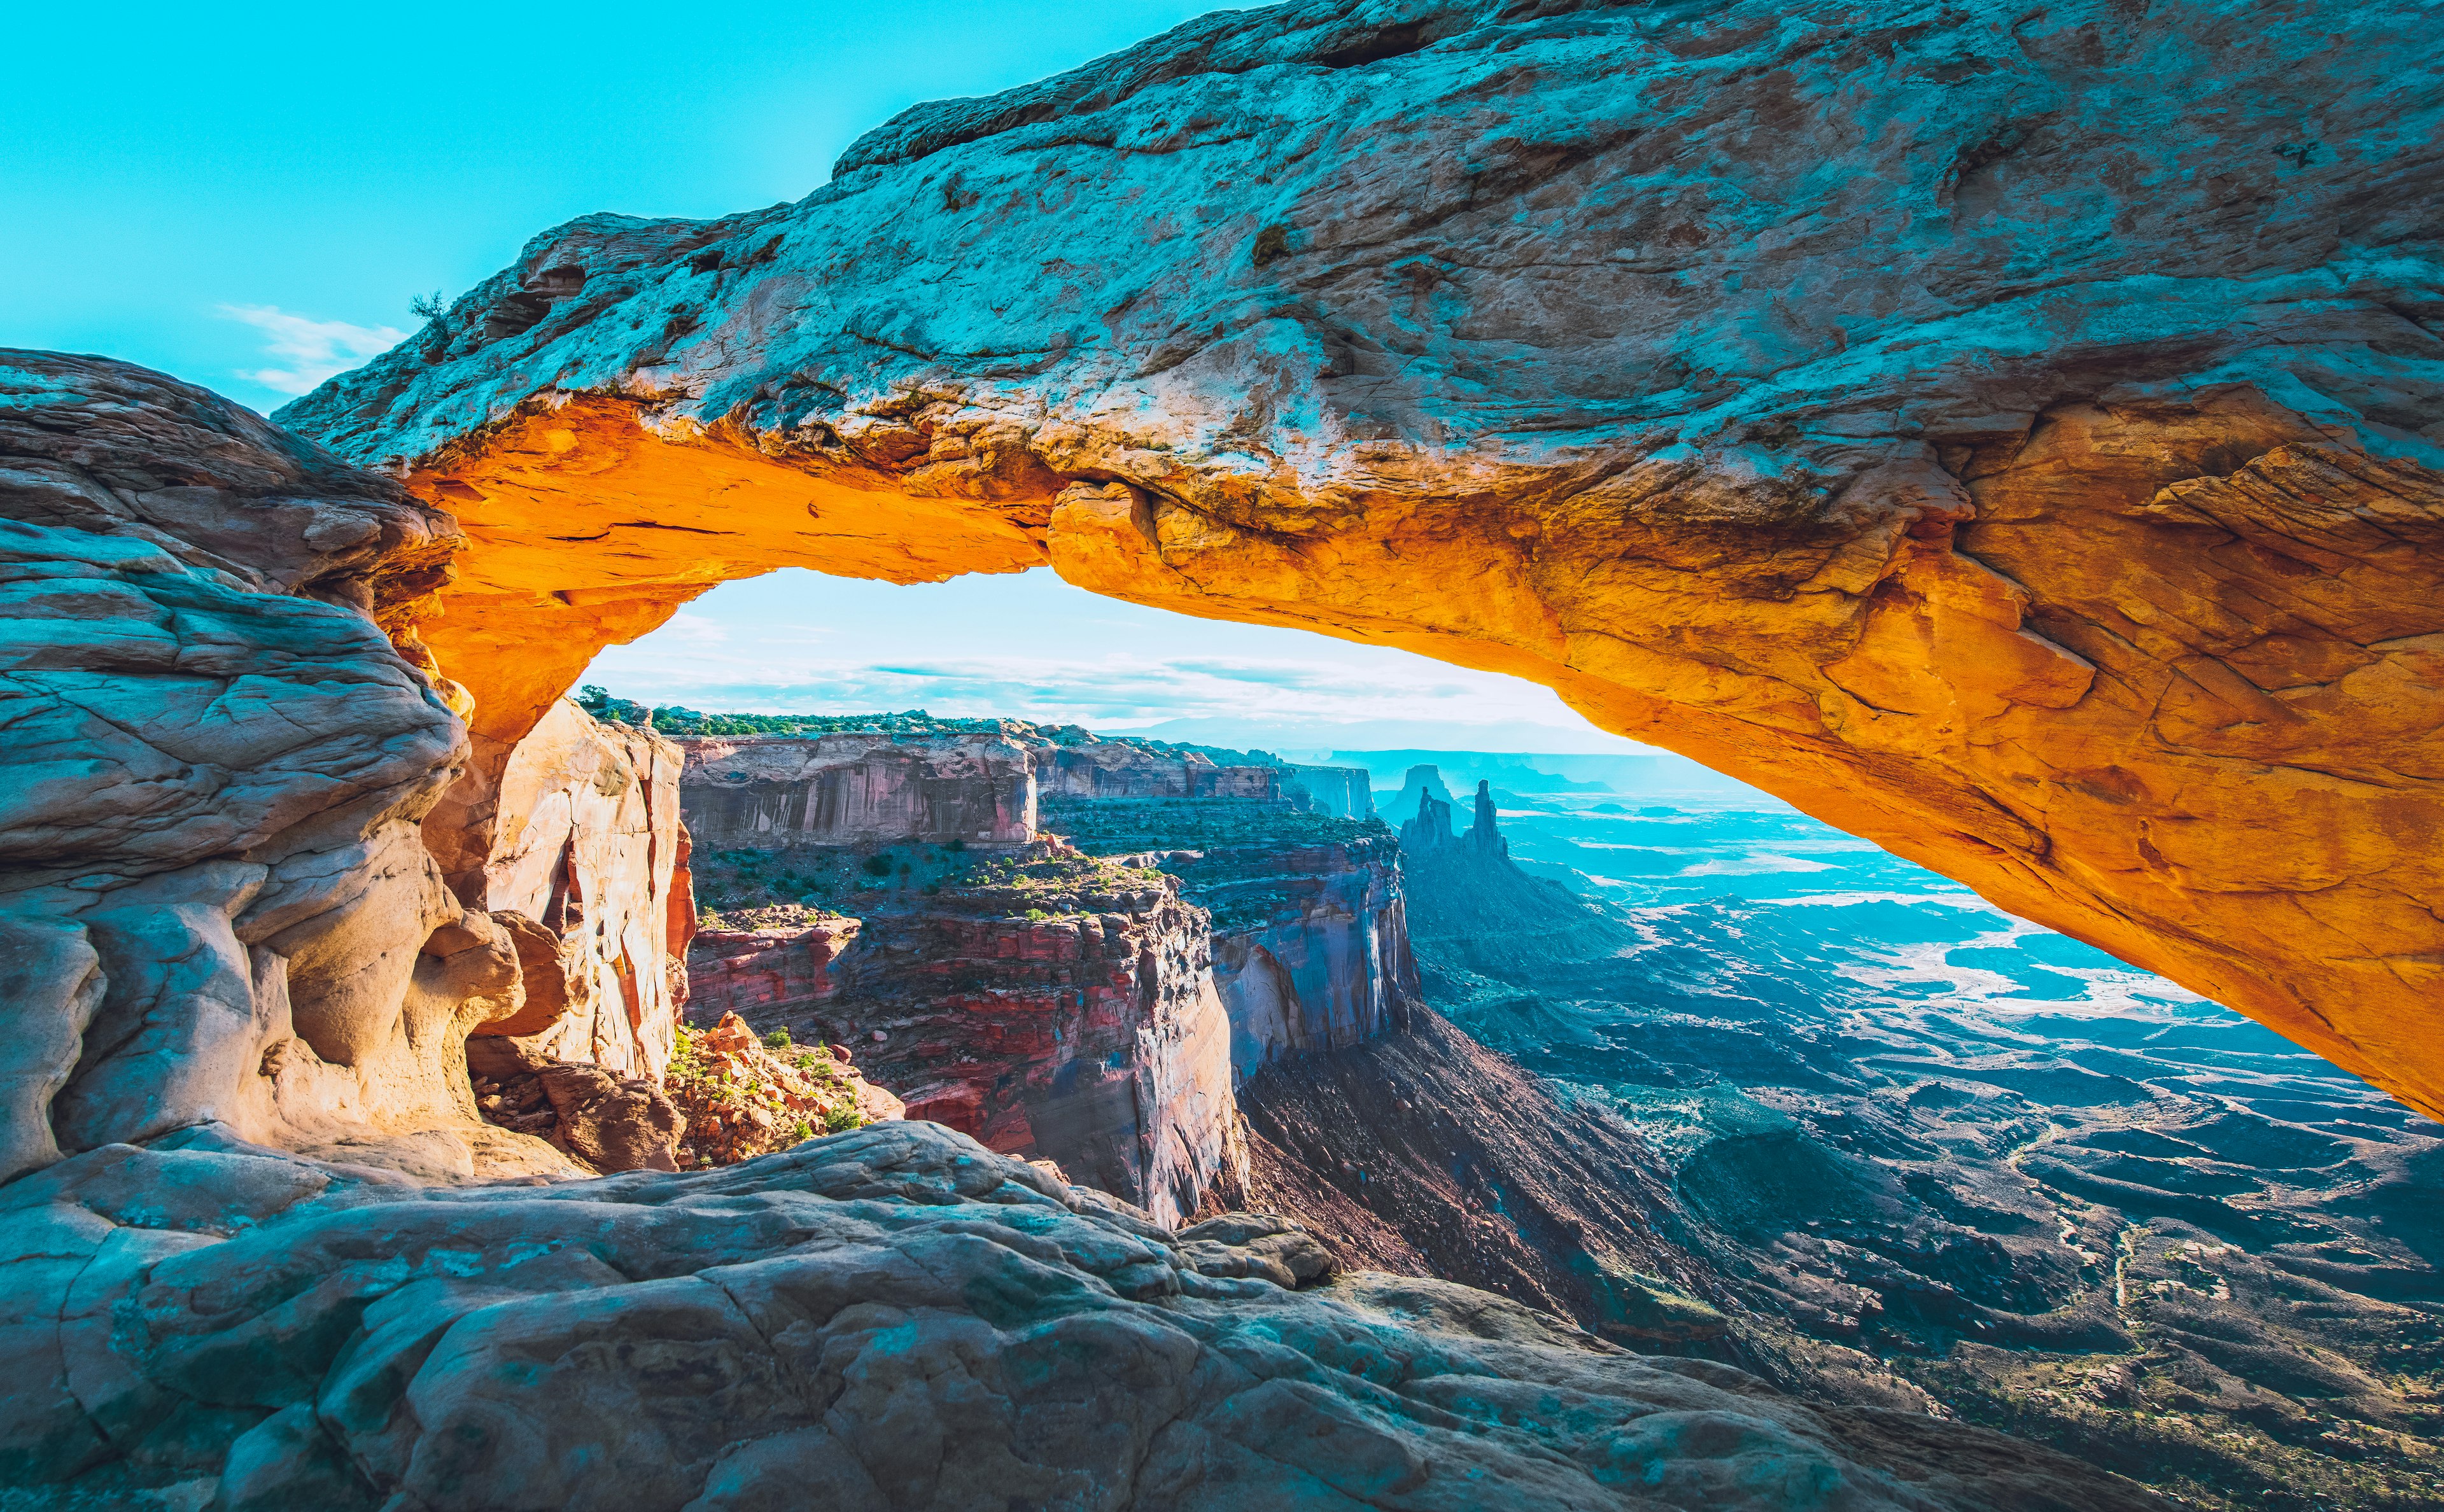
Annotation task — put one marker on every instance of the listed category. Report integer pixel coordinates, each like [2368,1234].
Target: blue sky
[166,165]
[1029,646]
[247,197]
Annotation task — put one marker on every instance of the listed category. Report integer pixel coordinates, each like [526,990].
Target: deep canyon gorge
[2011,435]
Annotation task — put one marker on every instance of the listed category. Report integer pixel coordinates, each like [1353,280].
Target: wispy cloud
[313,350]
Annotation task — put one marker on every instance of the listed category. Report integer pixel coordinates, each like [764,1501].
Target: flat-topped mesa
[1076,1004]
[1107,769]
[852,789]
[2044,492]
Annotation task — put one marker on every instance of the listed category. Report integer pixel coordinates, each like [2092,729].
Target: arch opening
[2037,683]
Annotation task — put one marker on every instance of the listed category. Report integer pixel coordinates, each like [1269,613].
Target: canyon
[1085,992]
[2010,437]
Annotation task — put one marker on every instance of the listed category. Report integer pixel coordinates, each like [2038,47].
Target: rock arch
[2045,493]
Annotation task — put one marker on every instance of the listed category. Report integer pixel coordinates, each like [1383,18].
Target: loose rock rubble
[612,1123]
[741,1097]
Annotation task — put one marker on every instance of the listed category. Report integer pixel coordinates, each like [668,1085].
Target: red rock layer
[1093,1037]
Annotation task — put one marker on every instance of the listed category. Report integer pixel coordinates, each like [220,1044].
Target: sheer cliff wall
[1091,1035]
[856,789]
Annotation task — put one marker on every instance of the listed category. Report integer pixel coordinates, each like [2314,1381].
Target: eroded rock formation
[851,789]
[895,1316]
[584,866]
[1065,1012]
[2009,437]
[216,896]
[1310,931]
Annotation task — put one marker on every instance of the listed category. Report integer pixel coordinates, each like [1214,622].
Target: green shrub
[877,866]
[777,1040]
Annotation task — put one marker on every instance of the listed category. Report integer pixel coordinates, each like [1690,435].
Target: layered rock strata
[1066,1012]
[1343,792]
[896,1315]
[1310,931]
[222,736]
[856,789]
[1844,397]
[1111,768]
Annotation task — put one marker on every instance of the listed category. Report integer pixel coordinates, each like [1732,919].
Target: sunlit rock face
[214,900]
[584,867]
[2008,437]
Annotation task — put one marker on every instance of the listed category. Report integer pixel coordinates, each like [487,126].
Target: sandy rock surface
[2009,436]
[897,1316]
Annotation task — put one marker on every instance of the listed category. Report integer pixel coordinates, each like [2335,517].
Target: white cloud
[314,350]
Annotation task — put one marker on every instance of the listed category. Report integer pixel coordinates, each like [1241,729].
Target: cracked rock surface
[896,1316]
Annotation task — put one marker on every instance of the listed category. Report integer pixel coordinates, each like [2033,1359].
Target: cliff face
[1343,792]
[1069,1015]
[852,789]
[1311,935]
[1323,962]
[588,873]
[1839,396]
[1117,769]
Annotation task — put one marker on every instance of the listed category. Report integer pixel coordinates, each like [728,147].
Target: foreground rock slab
[2008,435]
[890,1318]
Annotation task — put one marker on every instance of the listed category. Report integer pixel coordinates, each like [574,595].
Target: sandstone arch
[2010,437]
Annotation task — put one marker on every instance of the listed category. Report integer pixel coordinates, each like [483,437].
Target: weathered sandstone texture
[610,1123]
[890,1318]
[584,867]
[1067,1012]
[215,904]
[2008,435]
[858,789]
